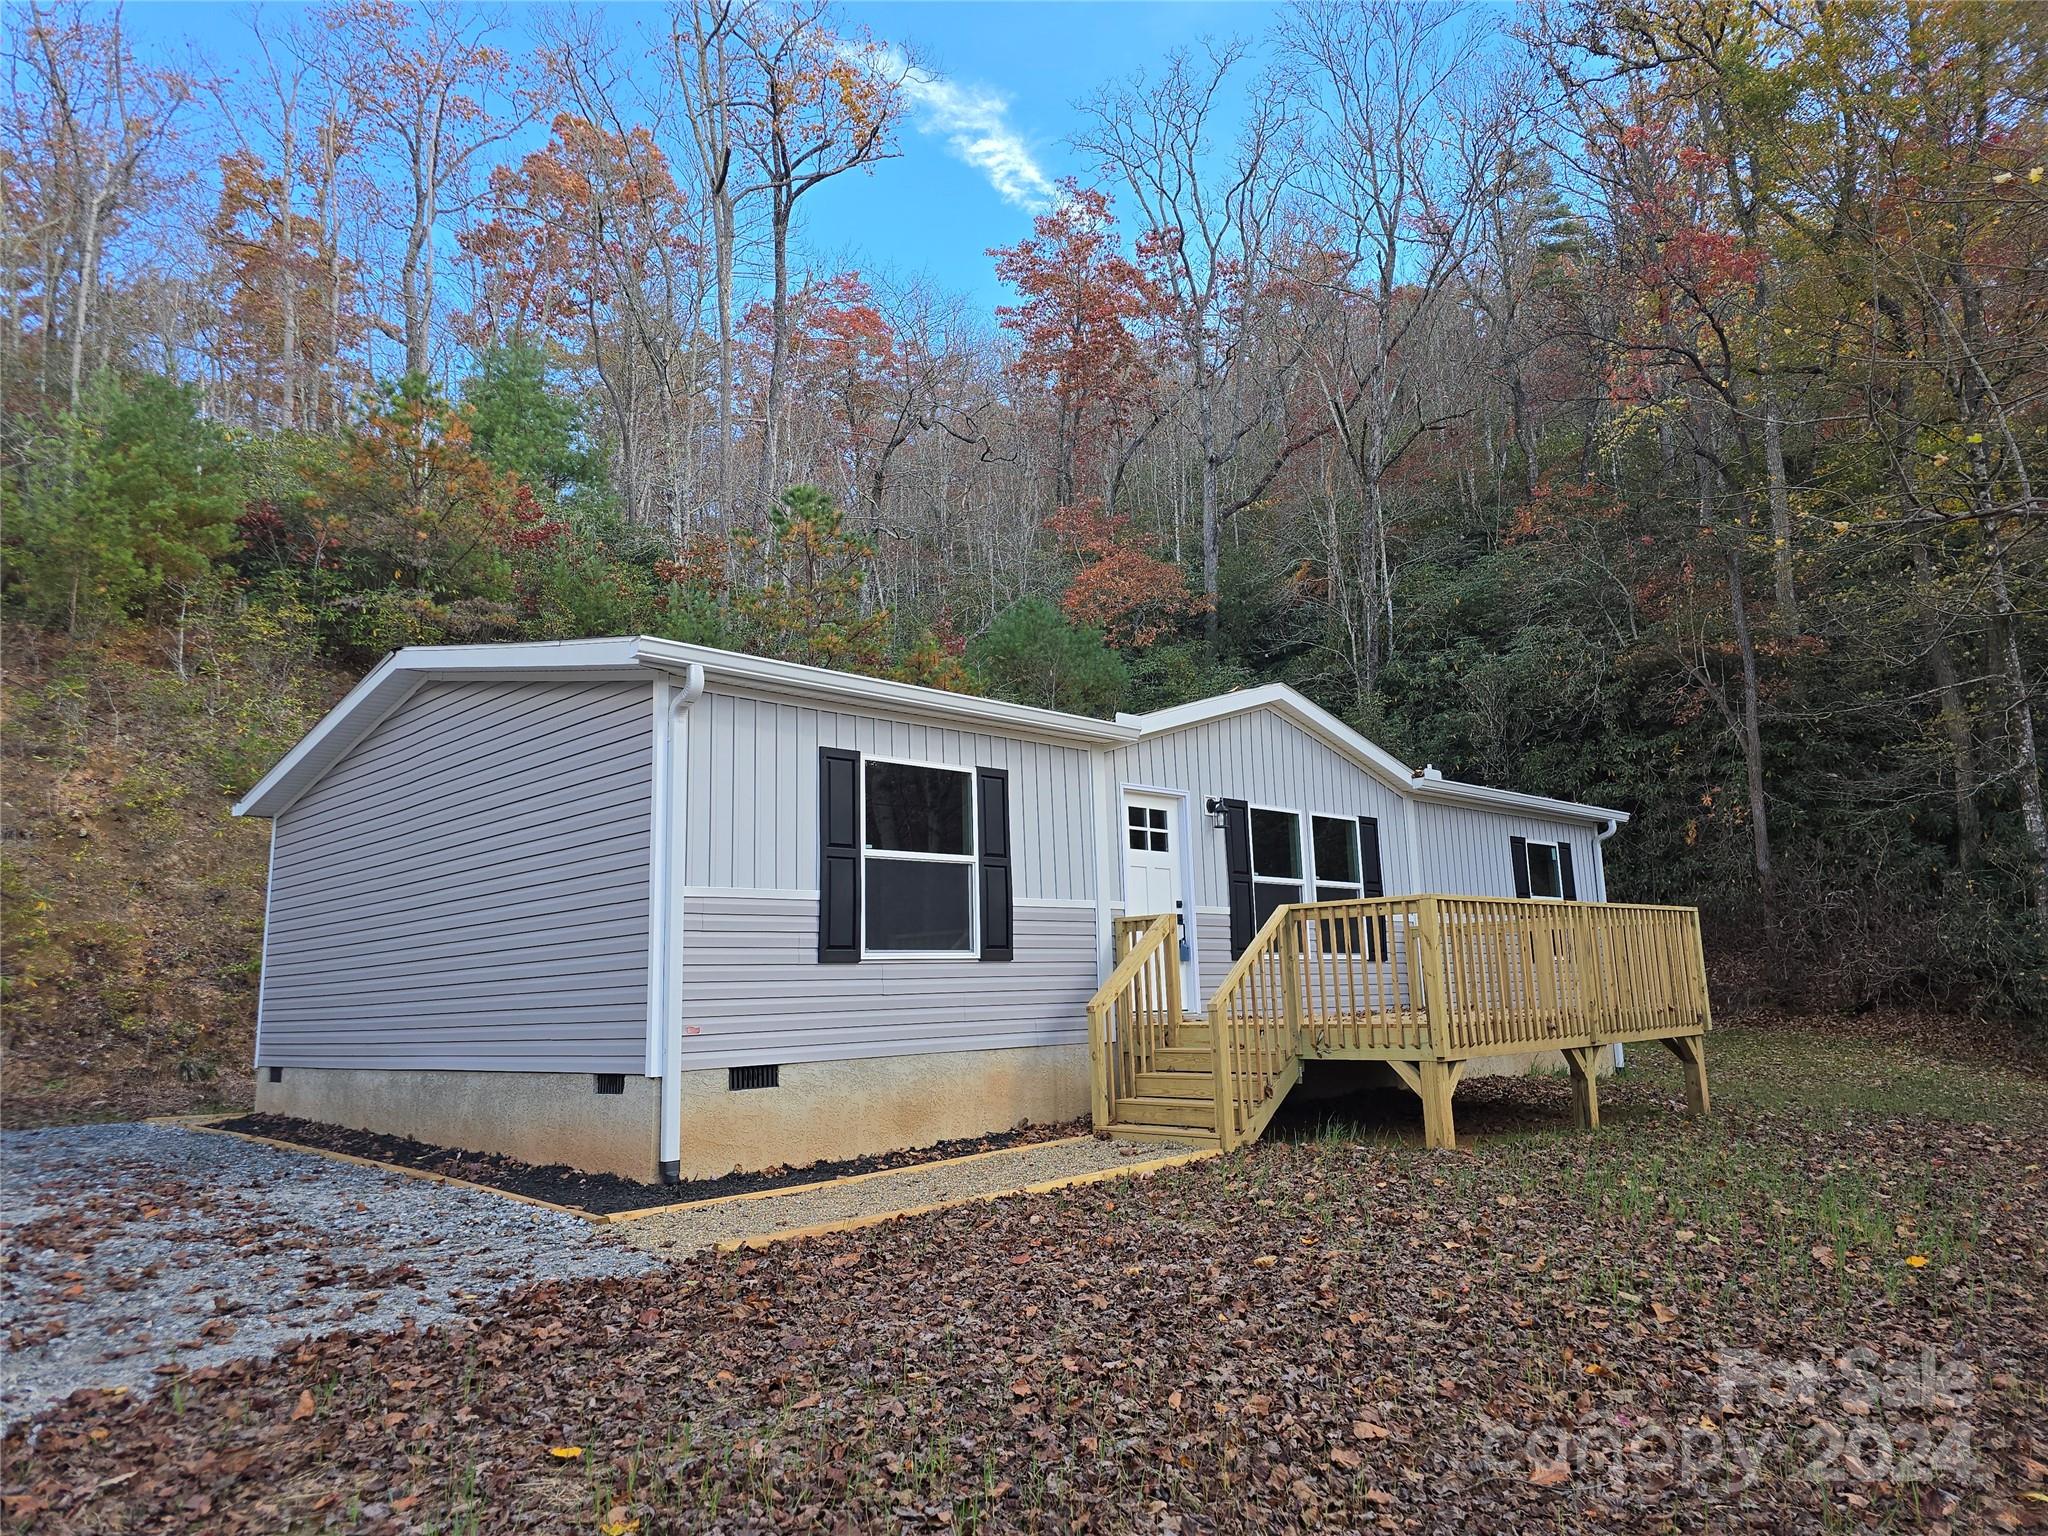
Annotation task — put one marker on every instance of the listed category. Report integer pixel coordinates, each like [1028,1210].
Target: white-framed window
[1334,843]
[917,868]
[1546,875]
[1340,876]
[1276,861]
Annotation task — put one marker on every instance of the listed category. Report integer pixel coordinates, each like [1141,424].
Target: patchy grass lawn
[1820,1310]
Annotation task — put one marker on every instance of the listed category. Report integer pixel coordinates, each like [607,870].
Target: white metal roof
[395,679]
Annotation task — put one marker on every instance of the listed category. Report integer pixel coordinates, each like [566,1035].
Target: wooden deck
[1425,984]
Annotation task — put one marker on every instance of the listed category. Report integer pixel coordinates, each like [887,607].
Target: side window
[1546,882]
[918,871]
[1276,861]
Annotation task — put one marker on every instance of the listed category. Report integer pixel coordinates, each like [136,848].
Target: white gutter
[672,701]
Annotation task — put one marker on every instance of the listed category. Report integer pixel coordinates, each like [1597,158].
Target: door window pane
[919,905]
[1276,846]
[919,810]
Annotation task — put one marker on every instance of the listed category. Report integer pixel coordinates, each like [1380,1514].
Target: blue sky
[1009,73]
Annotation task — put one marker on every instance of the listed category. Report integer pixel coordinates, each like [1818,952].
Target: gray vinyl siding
[1264,758]
[751,819]
[1212,949]
[754,992]
[1465,851]
[468,888]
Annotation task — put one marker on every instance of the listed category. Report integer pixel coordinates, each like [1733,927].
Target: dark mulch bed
[603,1193]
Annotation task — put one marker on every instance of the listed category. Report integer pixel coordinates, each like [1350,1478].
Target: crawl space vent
[753,1077]
[610,1082]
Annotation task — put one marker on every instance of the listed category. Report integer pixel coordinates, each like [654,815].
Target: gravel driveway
[131,1253]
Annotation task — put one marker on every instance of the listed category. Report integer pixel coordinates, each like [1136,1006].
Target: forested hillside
[1635,403]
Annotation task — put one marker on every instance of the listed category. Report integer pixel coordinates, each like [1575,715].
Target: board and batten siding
[1465,852]
[751,818]
[468,888]
[1265,759]
[753,990]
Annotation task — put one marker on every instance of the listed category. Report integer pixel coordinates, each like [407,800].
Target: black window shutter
[1237,859]
[1373,883]
[838,856]
[998,931]
[1518,851]
[1565,882]
[1369,871]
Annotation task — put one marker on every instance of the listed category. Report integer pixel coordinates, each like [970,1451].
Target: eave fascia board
[820,685]
[1334,733]
[1454,792]
[394,679]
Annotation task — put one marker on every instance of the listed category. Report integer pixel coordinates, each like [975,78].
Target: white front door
[1152,872]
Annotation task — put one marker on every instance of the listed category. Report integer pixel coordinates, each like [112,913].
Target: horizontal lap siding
[468,888]
[1263,758]
[1465,851]
[753,990]
[751,818]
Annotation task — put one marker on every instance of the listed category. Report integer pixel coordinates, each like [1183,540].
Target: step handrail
[1133,1014]
[1251,1053]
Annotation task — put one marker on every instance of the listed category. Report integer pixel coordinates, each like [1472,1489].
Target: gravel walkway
[674,1234]
[131,1252]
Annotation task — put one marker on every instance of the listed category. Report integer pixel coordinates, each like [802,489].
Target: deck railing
[1444,978]
[1133,1015]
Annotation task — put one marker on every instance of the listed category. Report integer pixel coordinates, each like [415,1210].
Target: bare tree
[1211,224]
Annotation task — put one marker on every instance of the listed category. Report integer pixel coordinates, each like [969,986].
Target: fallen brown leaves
[1174,1356]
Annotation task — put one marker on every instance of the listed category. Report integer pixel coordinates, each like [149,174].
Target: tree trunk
[1752,732]
[1781,510]
[778,350]
[1955,718]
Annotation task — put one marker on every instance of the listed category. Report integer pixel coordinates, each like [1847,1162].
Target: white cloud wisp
[976,126]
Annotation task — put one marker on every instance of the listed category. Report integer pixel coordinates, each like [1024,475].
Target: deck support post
[1584,1061]
[1691,1051]
[1098,1066]
[1439,1082]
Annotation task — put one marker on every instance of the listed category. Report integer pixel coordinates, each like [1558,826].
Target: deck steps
[1177,1085]
[1177,1135]
[1183,1058]
[1155,1109]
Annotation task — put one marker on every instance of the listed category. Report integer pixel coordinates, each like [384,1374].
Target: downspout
[1601,832]
[671,773]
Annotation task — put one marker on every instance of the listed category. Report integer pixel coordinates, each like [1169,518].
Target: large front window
[1276,862]
[918,834]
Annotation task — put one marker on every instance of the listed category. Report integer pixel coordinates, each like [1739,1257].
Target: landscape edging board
[210,1126]
[1042,1187]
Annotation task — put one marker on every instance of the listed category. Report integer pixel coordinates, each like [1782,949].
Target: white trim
[753,892]
[1316,882]
[1334,733]
[394,679]
[1108,867]
[263,950]
[671,726]
[765,893]
[971,860]
[1556,862]
[1301,850]
[1453,792]
[1185,858]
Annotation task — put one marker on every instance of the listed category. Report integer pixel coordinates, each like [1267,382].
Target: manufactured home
[666,911]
